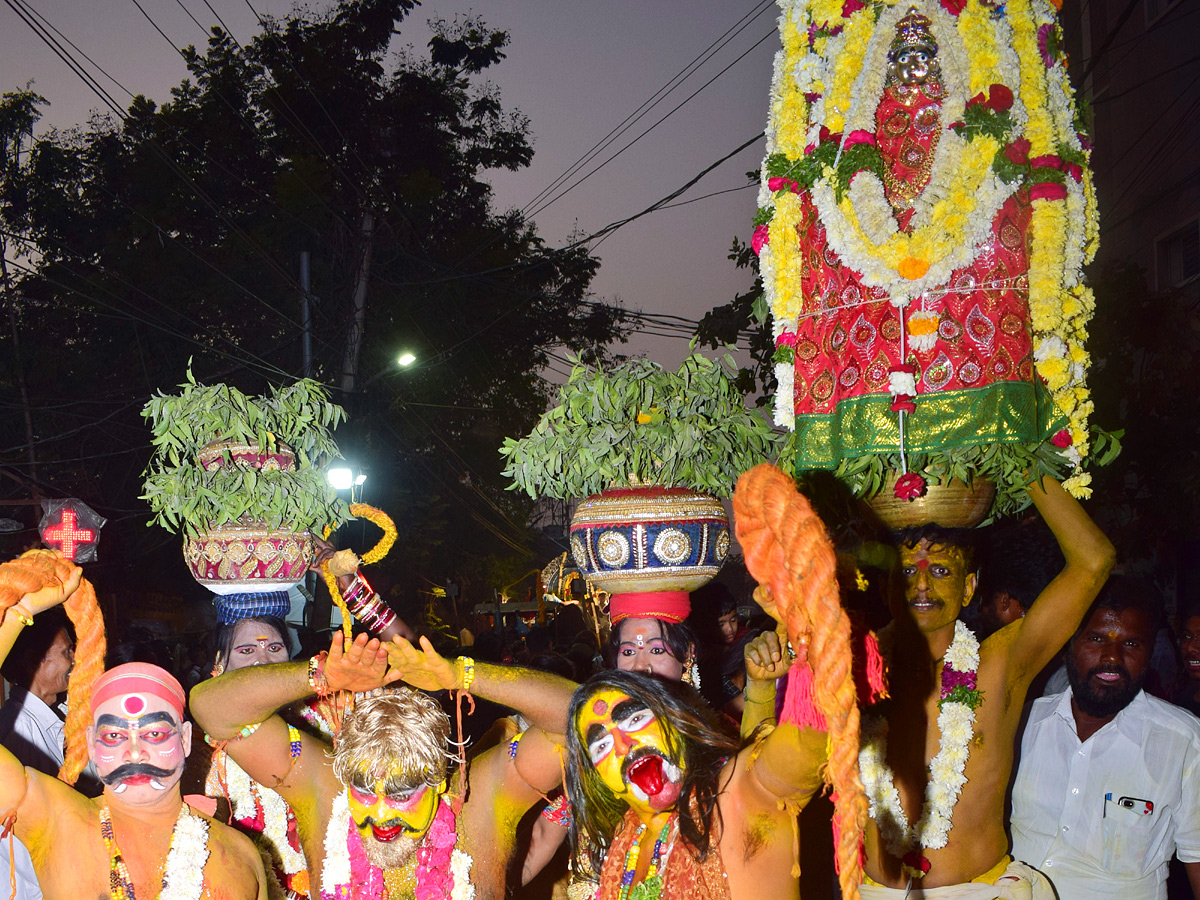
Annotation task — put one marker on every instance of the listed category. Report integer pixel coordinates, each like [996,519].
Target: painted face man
[645,645]
[138,739]
[938,583]
[255,644]
[634,754]
[391,756]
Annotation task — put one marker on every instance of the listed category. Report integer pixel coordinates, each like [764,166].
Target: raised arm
[783,766]
[540,697]
[42,571]
[239,710]
[1060,608]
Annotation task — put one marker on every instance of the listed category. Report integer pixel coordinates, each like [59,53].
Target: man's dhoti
[1017,882]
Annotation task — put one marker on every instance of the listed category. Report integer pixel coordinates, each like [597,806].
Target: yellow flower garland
[376,517]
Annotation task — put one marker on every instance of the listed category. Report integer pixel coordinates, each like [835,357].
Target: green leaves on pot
[184,497]
[637,423]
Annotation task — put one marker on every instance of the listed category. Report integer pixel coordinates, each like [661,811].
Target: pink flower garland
[435,880]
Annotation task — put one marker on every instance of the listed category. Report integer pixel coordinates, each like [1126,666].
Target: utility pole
[19,370]
[358,326]
[305,317]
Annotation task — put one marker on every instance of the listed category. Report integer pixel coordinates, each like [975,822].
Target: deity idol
[926,225]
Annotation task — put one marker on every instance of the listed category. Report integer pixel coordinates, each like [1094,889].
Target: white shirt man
[1109,784]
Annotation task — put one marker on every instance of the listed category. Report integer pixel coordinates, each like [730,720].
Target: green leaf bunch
[1012,466]
[694,431]
[184,497]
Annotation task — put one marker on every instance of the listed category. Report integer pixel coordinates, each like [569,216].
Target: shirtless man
[364,812]
[963,840]
[650,765]
[138,741]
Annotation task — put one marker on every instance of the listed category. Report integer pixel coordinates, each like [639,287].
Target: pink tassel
[799,703]
[876,670]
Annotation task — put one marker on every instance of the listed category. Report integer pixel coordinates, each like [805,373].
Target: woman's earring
[691,673]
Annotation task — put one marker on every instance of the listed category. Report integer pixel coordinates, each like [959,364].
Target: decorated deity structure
[926,209]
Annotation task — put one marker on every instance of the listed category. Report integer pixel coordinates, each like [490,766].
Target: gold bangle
[468,675]
[24,616]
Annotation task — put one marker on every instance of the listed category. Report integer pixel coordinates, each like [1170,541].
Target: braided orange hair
[788,553]
[39,569]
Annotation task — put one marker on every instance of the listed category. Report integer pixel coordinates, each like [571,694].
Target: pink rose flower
[909,487]
[954,7]
[1018,151]
[760,239]
[1075,171]
[1000,97]
[1048,190]
[1062,439]
[850,7]
[786,339]
[858,137]
[1049,161]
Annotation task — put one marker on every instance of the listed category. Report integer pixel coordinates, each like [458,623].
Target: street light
[406,359]
[341,478]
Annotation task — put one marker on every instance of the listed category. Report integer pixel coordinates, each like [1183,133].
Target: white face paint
[139,745]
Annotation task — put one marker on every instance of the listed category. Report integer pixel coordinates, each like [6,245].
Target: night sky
[577,70]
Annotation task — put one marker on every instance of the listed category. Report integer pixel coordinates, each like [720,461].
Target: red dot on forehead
[599,707]
[133,705]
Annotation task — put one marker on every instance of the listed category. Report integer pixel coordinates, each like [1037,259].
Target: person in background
[1187,694]
[1109,783]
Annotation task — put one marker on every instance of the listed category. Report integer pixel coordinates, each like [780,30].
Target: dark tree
[176,230]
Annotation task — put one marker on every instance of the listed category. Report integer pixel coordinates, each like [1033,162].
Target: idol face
[642,647]
[631,750]
[139,746]
[937,584]
[392,826]
[255,644]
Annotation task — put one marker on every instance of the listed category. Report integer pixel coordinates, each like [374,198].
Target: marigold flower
[912,268]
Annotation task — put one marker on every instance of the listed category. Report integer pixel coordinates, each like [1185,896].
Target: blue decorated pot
[641,540]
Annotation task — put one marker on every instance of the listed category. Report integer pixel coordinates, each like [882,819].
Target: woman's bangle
[468,673]
[24,616]
[316,675]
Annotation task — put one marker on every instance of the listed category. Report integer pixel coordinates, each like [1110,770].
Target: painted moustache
[138,773]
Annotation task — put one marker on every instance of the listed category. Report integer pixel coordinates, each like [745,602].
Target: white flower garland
[248,798]
[183,877]
[946,770]
[336,871]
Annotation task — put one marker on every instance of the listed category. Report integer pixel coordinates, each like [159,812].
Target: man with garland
[939,753]
[1108,788]
[378,818]
[666,800]
[138,838]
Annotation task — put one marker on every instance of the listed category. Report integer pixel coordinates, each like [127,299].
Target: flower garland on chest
[443,871]
[257,807]
[959,698]
[183,875]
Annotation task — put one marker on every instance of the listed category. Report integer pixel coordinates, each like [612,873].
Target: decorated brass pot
[248,557]
[218,454]
[640,540]
[953,504]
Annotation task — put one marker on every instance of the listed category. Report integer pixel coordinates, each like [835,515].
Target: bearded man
[663,795]
[138,837]
[935,761]
[1109,783]
[379,819]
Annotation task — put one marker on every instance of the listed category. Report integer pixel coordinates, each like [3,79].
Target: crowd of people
[651,755]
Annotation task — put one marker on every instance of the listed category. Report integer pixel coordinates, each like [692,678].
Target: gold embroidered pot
[650,539]
[246,455]
[248,557]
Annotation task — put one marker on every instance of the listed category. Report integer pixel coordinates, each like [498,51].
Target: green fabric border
[1009,412]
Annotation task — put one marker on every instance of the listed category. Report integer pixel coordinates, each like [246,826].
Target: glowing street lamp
[406,359]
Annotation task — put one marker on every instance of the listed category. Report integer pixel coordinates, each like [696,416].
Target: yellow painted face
[387,817]
[630,749]
[937,583]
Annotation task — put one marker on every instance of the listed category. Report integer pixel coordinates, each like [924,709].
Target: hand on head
[425,668]
[361,666]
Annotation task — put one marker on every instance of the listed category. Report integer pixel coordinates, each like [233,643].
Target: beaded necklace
[651,885]
[183,874]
